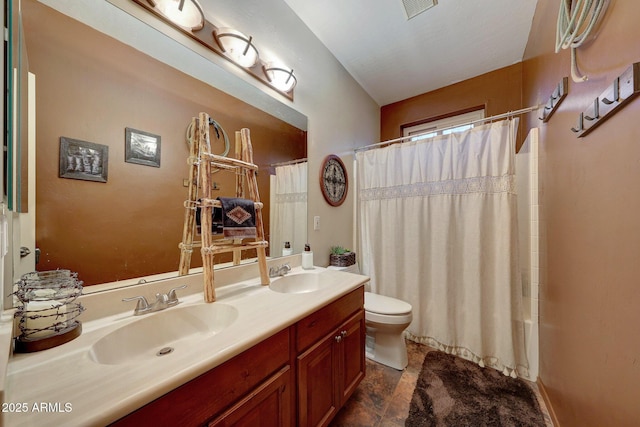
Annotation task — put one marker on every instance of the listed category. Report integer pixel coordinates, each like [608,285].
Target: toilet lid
[381,304]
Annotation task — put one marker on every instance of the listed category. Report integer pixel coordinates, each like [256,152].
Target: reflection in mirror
[289,208]
[16,107]
[91,87]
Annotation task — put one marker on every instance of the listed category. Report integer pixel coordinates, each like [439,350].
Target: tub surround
[529,240]
[84,392]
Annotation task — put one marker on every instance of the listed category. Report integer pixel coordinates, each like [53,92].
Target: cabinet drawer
[197,401]
[315,326]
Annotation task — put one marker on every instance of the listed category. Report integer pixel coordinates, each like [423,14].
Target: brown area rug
[452,391]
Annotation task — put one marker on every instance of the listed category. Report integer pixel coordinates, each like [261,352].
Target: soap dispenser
[287,249]
[307,257]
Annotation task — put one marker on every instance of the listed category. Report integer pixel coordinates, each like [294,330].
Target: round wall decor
[334,181]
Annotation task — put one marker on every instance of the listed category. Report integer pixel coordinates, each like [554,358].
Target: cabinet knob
[338,338]
[344,334]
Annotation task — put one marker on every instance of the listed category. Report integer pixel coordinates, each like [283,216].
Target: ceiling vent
[416,7]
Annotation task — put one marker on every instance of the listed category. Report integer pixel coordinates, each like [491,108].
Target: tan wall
[90,87]
[590,294]
[498,92]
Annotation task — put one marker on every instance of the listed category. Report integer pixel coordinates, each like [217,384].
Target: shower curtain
[438,229]
[289,208]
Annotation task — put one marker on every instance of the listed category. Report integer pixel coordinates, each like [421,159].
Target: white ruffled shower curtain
[288,208]
[438,229]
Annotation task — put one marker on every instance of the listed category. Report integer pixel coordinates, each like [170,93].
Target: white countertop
[71,389]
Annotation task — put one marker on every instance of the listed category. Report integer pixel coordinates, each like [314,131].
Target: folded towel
[216,221]
[238,218]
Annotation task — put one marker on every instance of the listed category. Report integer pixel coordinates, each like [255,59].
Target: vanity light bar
[191,17]
[213,38]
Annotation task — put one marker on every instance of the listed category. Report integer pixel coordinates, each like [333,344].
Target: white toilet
[386,319]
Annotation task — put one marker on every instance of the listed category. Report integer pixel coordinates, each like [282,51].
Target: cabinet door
[351,352]
[268,405]
[317,397]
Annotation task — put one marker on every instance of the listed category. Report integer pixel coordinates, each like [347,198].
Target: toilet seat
[384,305]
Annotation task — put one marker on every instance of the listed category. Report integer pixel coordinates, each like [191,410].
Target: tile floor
[382,399]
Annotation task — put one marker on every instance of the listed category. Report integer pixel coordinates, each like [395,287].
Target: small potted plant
[341,257]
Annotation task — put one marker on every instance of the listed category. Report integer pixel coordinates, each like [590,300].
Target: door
[351,352]
[317,397]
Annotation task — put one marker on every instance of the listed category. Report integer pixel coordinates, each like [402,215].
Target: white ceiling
[393,58]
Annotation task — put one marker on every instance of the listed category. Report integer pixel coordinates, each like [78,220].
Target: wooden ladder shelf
[201,165]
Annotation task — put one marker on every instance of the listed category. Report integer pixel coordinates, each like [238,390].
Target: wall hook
[580,124]
[596,111]
[554,100]
[544,112]
[616,93]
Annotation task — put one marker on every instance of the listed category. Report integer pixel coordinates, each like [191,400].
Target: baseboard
[547,402]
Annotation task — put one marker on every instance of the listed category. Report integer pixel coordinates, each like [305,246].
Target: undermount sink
[297,283]
[159,334]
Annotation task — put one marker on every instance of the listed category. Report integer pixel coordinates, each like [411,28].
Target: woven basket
[344,260]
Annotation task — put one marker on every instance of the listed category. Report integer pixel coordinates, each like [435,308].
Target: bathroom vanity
[321,356]
[289,357]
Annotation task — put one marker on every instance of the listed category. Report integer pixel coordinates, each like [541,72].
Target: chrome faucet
[280,270]
[162,301]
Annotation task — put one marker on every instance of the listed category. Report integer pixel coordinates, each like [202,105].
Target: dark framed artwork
[83,160]
[142,148]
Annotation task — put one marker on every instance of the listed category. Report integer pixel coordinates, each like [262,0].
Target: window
[443,126]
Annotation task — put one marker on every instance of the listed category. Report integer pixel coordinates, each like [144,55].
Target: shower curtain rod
[290,162]
[486,119]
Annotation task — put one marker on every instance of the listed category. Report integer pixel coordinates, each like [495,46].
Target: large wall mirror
[90,87]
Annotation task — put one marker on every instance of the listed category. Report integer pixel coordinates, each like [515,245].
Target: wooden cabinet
[329,371]
[198,401]
[321,356]
[268,405]
[351,356]
[317,382]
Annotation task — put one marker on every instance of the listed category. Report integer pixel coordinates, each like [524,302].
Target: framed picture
[142,148]
[83,160]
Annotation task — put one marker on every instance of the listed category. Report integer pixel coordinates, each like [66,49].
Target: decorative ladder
[201,166]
